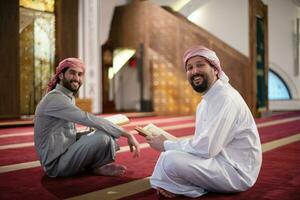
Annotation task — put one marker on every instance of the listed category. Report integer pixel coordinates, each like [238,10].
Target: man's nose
[195,70]
[76,77]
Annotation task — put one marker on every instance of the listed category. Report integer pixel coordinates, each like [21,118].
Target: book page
[118,119]
[152,130]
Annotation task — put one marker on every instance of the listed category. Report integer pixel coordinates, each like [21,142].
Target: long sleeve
[60,106]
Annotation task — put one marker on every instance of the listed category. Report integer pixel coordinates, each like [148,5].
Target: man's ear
[60,76]
[215,70]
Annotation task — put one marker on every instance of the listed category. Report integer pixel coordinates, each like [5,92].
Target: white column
[90,52]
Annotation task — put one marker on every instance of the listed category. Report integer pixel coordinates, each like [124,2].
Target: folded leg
[89,152]
[186,174]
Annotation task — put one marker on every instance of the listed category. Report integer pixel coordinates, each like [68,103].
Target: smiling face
[201,75]
[72,78]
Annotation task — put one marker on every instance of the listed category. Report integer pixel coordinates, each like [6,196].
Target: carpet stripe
[16,134]
[174,119]
[128,189]
[27,165]
[26,144]
[133,123]
[280,142]
[15,146]
[15,167]
[276,122]
[186,125]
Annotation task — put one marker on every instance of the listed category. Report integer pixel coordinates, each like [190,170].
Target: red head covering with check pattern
[66,63]
[209,55]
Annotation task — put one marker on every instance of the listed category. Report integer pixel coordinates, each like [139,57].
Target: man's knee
[97,140]
[172,162]
[100,139]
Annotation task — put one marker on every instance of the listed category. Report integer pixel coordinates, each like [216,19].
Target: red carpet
[11,156]
[279,177]
[31,180]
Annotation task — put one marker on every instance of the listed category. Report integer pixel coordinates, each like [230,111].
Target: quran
[118,119]
[151,130]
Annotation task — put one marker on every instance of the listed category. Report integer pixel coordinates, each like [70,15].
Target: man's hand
[157,142]
[133,144]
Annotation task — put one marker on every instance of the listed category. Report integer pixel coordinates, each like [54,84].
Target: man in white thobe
[225,153]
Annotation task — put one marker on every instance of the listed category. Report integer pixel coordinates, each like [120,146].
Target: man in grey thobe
[61,149]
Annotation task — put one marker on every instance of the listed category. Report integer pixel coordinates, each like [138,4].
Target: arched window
[278,89]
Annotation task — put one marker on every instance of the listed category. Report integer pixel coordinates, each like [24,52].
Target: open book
[118,119]
[151,129]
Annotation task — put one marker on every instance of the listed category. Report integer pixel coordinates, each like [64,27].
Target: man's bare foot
[165,193]
[111,169]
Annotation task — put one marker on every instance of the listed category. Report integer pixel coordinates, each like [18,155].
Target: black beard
[67,84]
[202,87]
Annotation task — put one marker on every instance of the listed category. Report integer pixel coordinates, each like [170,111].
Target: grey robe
[60,150]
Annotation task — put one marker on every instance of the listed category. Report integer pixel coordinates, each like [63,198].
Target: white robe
[223,156]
